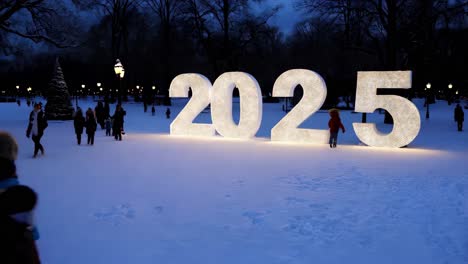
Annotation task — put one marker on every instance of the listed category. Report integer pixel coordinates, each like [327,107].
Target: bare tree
[119,12]
[168,13]
[37,20]
[224,28]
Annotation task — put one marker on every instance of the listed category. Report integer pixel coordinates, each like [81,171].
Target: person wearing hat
[8,155]
[17,231]
[334,124]
[37,125]
[17,243]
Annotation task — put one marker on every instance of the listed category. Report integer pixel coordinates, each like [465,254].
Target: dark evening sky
[286,17]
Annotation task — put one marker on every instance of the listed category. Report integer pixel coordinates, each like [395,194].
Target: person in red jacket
[334,124]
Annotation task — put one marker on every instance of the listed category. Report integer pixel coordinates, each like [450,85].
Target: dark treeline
[159,39]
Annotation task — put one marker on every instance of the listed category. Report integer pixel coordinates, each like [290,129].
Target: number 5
[406,119]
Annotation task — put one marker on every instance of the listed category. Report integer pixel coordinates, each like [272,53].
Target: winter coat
[100,113]
[459,114]
[26,216]
[79,123]
[335,122]
[16,237]
[90,124]
[118,119]
[106,110]
[108,123]
[41,123]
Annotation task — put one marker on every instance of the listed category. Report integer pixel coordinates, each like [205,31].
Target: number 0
[250,105]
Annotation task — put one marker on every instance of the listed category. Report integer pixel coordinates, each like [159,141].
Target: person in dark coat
[106,110]
[91,125]
[153,110]
[17,230]
[108,125]
[168,113]
[79,122]
[117,126]
[459,117]
[334,124]
[37,125]
[16,239]
[100,114]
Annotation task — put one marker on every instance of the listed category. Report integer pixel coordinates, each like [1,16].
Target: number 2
[315,92]
[201,90]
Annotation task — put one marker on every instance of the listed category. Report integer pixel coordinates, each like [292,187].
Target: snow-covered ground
[153,198]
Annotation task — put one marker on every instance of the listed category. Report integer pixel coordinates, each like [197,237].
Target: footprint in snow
[255,218]
[115,215]
[158,209]
[294,200]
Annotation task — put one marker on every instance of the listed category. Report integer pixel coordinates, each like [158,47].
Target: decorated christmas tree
[58,105]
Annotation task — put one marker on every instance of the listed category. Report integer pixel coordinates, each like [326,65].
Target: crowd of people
[114,125]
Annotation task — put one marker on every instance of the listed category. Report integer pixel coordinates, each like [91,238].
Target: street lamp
[154,95]
[428,87]
[17,92]
[449,94]
[29,92]
[120,72]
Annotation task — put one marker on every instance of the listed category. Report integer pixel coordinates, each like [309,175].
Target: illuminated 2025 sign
[407,121]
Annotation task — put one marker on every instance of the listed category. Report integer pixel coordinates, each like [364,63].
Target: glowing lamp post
[120,72]
[428,87]
[17,92]
[29,90]
[449,99]
[154,93]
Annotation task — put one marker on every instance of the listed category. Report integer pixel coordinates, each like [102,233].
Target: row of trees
[158,39]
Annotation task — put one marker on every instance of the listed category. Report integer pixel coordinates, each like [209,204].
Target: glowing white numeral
[406,119]
[201,87]
[250,105]
[315,92]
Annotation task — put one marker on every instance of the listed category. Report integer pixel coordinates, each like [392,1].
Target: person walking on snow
[78,123]
[334,124]
[117,127]
[168,113]
[108,124]
[91,125]
[459,117]
[37,125]
[100,114]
